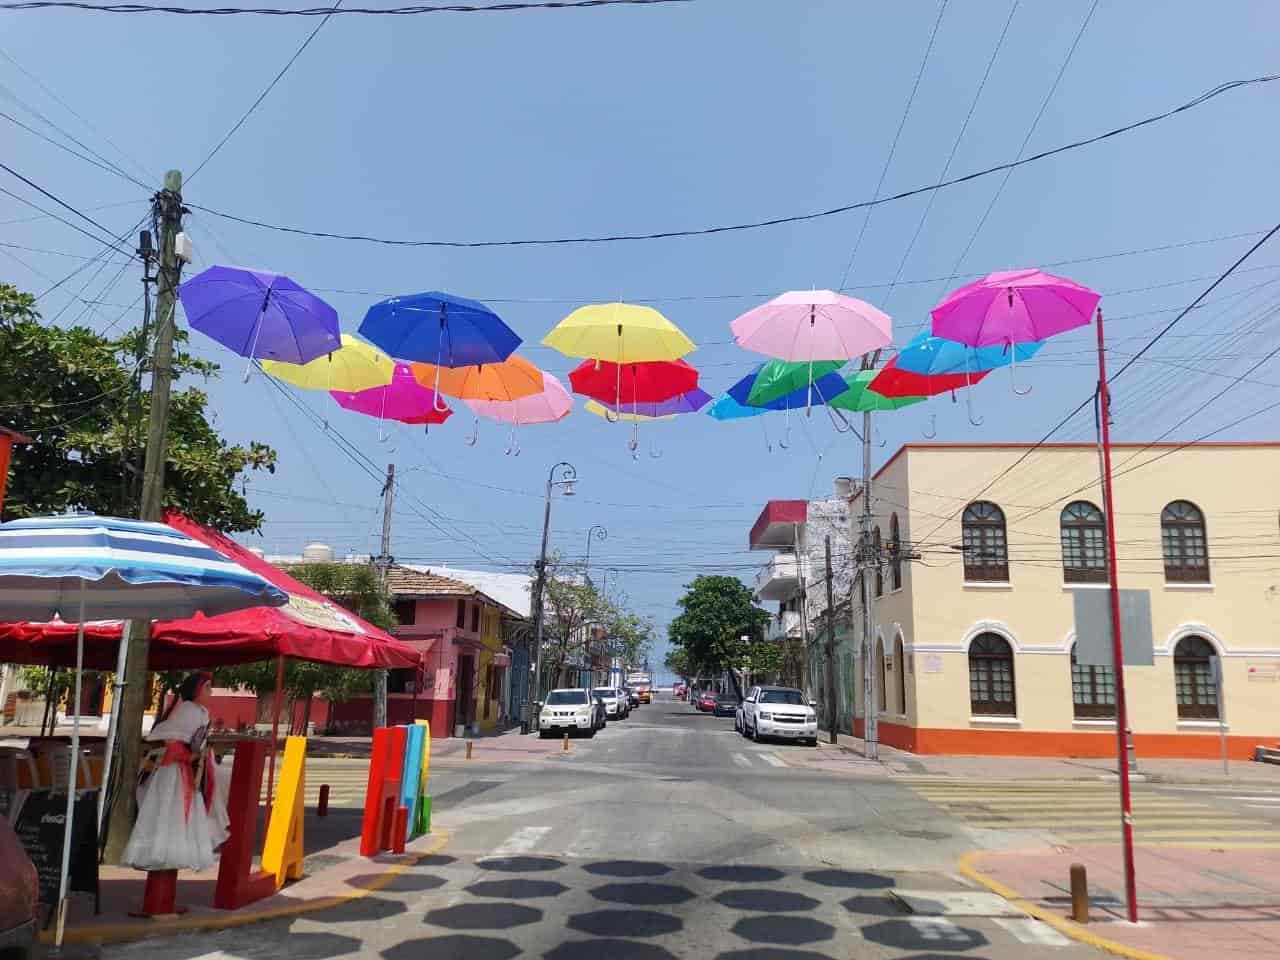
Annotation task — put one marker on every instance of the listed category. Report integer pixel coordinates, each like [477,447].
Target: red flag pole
[1117,646]
[275,727]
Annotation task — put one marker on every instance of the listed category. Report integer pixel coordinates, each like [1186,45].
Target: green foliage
[573,607]
[44,682]
[76,394]
[677,661]
[719,628]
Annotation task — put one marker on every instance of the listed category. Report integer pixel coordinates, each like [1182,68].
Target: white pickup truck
[781,712]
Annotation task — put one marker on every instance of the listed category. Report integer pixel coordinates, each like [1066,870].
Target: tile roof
[407,583]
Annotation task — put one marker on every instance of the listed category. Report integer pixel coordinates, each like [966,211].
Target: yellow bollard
[566,743]
[468,749]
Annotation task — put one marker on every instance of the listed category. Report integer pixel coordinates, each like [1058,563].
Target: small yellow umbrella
[621,332]
[353,367]
[600,410]
[512,379]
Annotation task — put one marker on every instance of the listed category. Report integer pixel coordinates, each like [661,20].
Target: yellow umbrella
[513,378]
[621,332]
[600,410]
[353,367]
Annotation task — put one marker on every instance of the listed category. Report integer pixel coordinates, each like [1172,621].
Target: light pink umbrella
[809,325]
[403,399]
[549,406]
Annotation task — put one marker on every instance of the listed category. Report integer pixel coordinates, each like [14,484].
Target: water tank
[317,553]
[844,487]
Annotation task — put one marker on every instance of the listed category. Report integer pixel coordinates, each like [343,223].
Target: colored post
[236,885]
[322,804]
[282,852]
[382,795]
[411,778]
[401,828]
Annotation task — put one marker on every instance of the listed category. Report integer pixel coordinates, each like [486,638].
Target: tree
[677,661]
[77,394]
[720,629]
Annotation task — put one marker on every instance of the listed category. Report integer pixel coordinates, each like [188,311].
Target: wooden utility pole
[832,710]
[167,209]
[384,567]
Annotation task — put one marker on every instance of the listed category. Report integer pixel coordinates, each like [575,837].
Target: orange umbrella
[512,379]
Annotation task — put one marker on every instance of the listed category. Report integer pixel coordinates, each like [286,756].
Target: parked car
[646,694]
[602,712]
[613,704]
[679,690]
[19,891]
[706,702]
[781,712]
[623,701]
[569,709]
[726,705]
[633,695]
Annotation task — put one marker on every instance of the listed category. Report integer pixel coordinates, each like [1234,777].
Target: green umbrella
[858,398]
[777,378]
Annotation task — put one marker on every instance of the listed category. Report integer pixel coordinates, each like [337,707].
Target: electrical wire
[324,11]
[759,224]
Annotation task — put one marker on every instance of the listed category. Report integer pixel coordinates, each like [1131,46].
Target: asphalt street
[667,835]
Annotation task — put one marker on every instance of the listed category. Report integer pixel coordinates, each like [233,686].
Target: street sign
[1093,628]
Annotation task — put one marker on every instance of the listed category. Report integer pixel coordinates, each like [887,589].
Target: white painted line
[1032,931]
[773,760]
[1268,798]
[939,930]
[522,841]
[738,758]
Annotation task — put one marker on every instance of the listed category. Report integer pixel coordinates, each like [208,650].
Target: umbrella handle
[655,453]
[876,432]
[838,420]
[932,432]
[1013,370]
[968,395]
[785,444]
[634,445]
[470,440]
[765,426]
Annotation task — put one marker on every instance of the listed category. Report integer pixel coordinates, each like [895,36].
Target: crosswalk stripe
[1027,930]
[522,841]
[739,759]
[773,760]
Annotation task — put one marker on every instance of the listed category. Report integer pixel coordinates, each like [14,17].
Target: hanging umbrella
[260,315]
[598,409]
[813,325]
[690,402]
[619,385]
[933,355]
[777,378]
[892,381]
[353,367]
[619,332]
[92,568]
[727,408]
[439,328]
[550,405]
[862,395]
[507,380]
[403,400]
[824,389]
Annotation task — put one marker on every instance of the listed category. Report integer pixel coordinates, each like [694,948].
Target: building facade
[975,641]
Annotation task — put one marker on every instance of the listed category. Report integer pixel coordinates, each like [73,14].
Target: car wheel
[590,734]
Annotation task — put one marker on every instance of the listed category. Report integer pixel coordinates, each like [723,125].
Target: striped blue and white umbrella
[86,567]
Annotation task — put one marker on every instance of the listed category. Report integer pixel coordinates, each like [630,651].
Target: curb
[1066,927]
[224,920]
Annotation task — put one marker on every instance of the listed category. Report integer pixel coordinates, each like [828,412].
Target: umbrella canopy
[550,405]
[510,379]
[727,408]
[403,399]
[619,332]
[439,328]
[936,355]
[353,367]
[893,381]
[824,389]
[863,396]
[600,410]
[91,567]
[777,378]
[804,325]
[1013,306]
[690,402]
[619,385]
[260,314]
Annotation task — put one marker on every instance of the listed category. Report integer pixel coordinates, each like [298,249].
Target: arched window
[900,665]
[1084,543]
[986,551]
[1186,550]
[1193,679]
[882,692]
[1093,690]
[895,558]
[875,545]
[991,677]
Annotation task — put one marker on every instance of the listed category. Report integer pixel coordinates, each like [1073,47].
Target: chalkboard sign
[40,830]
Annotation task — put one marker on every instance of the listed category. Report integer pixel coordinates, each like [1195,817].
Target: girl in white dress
[182,810]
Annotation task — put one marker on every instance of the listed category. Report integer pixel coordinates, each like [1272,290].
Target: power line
[326,11]
[758,224]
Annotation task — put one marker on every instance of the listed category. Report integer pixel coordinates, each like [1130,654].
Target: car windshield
[559,698]
[605,692]
[726,698]
[792,698]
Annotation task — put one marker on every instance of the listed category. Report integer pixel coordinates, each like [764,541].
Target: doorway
[464,706]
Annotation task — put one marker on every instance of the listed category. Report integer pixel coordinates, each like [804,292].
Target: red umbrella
[893,381]
[616,386]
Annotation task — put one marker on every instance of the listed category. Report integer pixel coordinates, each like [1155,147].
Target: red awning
[309,627]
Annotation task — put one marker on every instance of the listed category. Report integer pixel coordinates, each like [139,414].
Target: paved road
[665,836]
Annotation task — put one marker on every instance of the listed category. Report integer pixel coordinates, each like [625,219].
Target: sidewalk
[1193,903]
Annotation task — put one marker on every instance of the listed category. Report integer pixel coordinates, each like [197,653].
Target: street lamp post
[600,533]
[568,476]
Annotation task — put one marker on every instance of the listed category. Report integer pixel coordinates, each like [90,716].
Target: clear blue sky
[552,123]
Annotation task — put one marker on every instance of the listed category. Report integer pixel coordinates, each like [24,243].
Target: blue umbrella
[824,388]
[95,568]
[727,408]
[260,315]
[932,355]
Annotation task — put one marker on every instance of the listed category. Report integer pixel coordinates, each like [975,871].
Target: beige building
[975,639]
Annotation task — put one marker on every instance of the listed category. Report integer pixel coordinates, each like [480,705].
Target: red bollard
[160,894]
[401,829]
[322,807]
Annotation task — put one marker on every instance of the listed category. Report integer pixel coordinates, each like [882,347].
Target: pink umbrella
[403,399]
[549,406]
[1013,306]
[809,325]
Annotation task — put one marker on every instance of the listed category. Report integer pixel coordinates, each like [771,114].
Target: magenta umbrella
[549,406]
[403,399]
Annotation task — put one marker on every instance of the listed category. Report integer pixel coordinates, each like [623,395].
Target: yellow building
[974,640]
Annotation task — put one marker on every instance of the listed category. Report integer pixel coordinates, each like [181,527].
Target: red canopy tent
[308,627]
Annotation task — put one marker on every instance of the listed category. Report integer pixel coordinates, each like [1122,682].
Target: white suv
[567,709]
[780,712]
[614,703]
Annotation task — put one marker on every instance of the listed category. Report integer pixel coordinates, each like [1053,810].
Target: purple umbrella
[260,315]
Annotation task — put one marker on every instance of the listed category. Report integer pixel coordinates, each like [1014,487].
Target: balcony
[779,578]
[784,626]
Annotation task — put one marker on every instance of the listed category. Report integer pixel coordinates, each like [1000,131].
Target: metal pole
[275,728]
[600,534]
[167,210]
[1117,645]
[539,586]
[117,686]
[1222,714]
[831,648]
[384,567]
[804,608]
[870,733]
